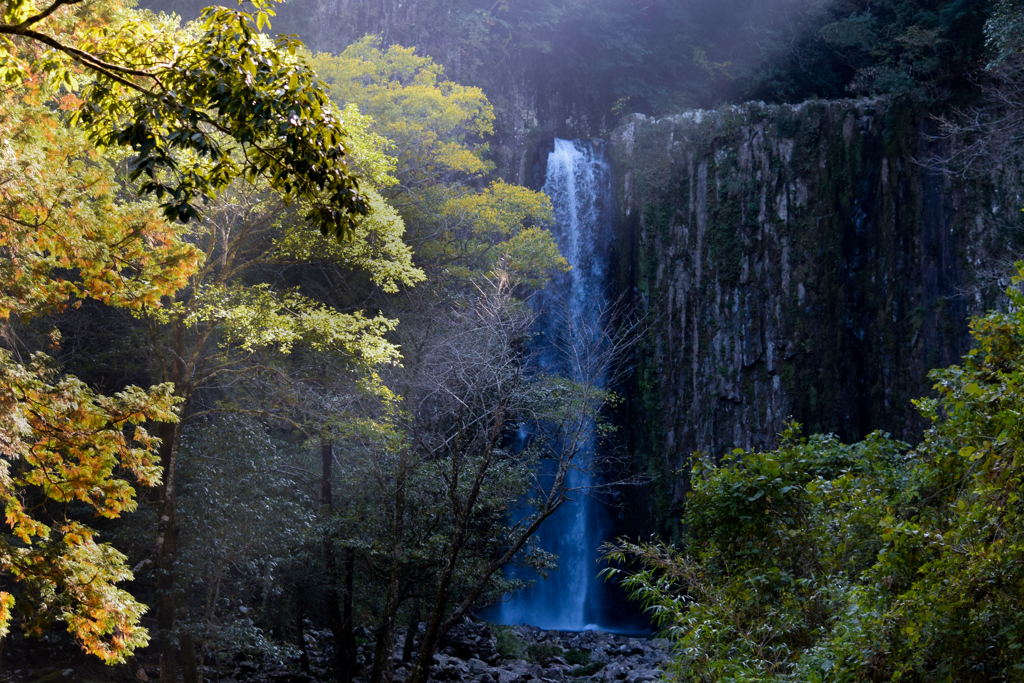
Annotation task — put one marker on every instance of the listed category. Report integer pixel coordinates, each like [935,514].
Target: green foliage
[61,442]
[69,234]
[865,562]
[543,653]
[507,643]
[436,130]
[241,637]
[199,108]
[65,236]
[60,211]
[244,508]
[254,317]
[577,657]
[375,248]
[435,126]
[504,228]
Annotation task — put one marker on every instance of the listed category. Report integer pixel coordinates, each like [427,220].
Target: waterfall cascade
[578,181]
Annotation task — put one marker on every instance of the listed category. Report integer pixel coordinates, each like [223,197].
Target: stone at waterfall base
[469,654]
[610,658]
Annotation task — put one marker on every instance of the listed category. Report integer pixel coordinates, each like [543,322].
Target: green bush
[588,669]
[575,657]
[509,645]
[543,653]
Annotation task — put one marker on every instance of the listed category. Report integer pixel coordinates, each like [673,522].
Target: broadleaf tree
[238,319]
[197,108]
[65,236]
[462,227]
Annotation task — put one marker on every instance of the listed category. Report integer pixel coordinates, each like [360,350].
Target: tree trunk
[342,670]
[383,658]
[167,525]
[166,551]
[300,632]
[136,669]
[348,626]
[433,632]
[189,671]
[462,517]
[410,634]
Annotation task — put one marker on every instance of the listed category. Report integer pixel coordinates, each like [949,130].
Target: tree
[230,324]
[65,236]
[443,493]
[436,129]
[198,109]
[437,500]
[270,285]
[219,109]
[246,511]
[436,126]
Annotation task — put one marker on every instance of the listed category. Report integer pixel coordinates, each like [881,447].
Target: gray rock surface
[470,654]
[551,657]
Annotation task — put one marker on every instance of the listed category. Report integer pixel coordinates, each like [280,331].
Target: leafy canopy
[436,130]
[65,236]
[436,126]
[198,108]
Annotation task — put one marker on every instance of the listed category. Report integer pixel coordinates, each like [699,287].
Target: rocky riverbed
[477,652]
[474,652]
[471,654]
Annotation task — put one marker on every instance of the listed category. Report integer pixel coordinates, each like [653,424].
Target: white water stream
[570,309]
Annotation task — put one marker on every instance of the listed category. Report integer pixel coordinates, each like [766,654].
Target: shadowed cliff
[795,262]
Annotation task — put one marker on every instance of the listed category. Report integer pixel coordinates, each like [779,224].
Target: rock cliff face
[795,261]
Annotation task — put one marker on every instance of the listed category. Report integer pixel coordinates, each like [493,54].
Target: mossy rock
[52,677]
[588,670]
[543,653]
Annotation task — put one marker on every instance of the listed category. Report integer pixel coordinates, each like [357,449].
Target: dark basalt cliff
[794,262]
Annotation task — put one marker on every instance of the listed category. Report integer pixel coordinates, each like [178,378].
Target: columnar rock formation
[795,261]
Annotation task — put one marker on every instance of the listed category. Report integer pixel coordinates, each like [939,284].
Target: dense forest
[291,388]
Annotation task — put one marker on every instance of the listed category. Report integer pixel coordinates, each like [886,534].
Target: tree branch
[112,71]
[35,19]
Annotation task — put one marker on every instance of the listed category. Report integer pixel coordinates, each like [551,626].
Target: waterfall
[578,181]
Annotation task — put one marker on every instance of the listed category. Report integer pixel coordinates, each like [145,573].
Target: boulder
[469,655]
[553,673]
[470,640]
[477,666]
[643,676]
[511,672]
[450,672]
[614,672]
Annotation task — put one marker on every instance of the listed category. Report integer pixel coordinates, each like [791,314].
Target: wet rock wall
[794,262]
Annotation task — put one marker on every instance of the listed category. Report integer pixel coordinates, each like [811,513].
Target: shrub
[508,644]
[588,669]
[543,653]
